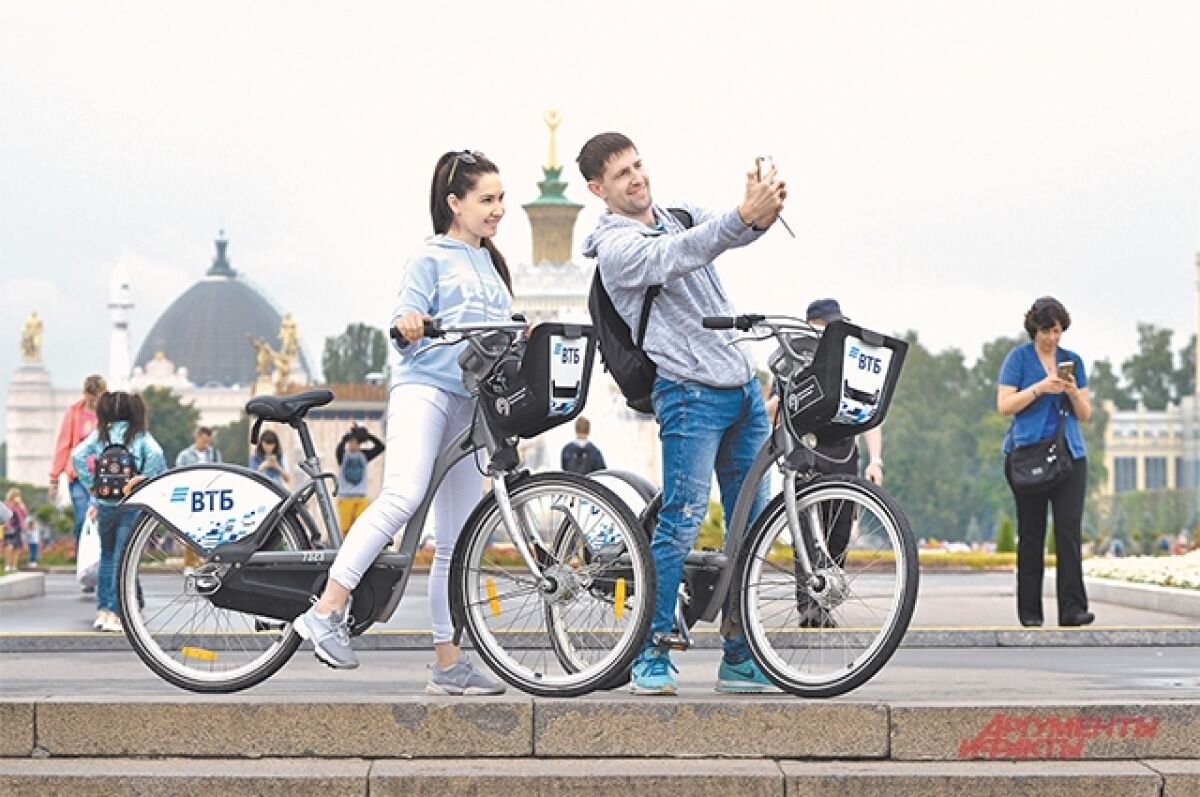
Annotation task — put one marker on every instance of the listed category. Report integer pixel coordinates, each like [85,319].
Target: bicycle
[823,616]
[551,576]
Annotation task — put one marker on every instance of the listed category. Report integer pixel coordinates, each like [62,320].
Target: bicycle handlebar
[433,329]
[741,322]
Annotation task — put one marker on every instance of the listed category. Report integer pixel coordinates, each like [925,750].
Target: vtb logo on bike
[567,355]
[204,500]
[866,362]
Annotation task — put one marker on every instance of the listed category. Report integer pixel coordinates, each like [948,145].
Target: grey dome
[210,329]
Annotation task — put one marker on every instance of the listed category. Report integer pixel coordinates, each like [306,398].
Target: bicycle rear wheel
[568,633]
[825,640]
[179,633]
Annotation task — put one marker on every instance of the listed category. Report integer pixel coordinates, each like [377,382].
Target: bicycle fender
[210,504]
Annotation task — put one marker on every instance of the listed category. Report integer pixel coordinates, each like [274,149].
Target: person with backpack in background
[14,528]
[352,461]
[123,453]
[581,455]
[705,395]
[77,423]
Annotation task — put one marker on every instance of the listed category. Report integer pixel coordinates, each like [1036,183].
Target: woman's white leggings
[422,420]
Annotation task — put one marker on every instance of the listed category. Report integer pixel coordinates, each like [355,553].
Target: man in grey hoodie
[706,397]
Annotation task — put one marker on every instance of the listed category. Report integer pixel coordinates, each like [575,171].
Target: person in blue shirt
[120,420]
[1033,390]
[457,277]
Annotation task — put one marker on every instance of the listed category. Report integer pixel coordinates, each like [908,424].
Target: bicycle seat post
[311,465]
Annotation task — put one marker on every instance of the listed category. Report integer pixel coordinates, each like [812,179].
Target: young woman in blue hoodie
[457,277]
[120,419]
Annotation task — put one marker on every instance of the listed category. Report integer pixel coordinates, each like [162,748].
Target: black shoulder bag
[1040,467]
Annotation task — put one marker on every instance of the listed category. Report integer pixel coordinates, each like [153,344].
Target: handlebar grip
[718,322]
[433,329]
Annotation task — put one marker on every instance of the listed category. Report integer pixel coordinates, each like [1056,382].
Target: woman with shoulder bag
[1044,387]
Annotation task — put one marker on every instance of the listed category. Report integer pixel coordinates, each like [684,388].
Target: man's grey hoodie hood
[632,257]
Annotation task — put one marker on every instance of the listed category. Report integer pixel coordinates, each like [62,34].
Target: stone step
[608,727]
[556,777]
[19,586]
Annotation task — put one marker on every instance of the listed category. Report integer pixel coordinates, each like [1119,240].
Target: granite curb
[917,637]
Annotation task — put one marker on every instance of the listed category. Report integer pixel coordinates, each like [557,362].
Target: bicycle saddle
[287,409]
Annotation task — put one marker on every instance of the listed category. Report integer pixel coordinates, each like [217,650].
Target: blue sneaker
[742,678]
[653,674]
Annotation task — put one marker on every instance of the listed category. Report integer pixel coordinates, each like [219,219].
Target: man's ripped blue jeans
[702,429]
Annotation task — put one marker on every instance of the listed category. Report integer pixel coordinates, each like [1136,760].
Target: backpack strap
[684,218]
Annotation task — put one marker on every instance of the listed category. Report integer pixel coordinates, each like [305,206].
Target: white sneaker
[112,624]
[101,619]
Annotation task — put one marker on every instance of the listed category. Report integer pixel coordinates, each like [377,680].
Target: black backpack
[113,469]
[578,458]
[630,366]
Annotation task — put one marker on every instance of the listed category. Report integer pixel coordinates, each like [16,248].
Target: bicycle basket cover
[547,387]
[849,385]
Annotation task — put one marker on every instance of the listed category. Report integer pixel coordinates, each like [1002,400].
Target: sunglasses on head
[466,156]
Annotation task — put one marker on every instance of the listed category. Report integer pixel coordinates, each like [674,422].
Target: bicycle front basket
[548,387]
[848,387]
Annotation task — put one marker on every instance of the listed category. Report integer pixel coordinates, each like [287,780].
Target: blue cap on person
[826,310]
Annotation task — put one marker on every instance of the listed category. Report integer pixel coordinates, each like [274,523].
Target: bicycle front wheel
[826,638]
[179,633]
[570,630]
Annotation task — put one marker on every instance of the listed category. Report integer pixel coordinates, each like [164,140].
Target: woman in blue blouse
[1032,391]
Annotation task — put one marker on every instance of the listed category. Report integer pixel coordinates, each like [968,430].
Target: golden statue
[553,120]
[283,369]
[31,339]
[263,357]
[289,337]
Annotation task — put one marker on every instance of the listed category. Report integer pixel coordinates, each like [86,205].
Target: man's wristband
[878,462]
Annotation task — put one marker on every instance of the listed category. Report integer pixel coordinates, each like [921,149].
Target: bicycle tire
[571,639]
[840,639]
[185,639]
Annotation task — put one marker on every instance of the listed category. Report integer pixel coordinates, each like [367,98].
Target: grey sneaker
[330,637]
[461,678]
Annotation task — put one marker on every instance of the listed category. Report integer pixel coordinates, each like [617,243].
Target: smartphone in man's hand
[1066,370]
[765,164]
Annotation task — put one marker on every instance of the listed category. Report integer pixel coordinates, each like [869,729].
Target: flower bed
[1164,571]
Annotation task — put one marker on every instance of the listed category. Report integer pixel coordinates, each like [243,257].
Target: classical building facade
[1155,449]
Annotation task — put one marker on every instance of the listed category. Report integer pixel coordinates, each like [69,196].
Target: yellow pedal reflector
[619,599]
[493,600]
[199,653]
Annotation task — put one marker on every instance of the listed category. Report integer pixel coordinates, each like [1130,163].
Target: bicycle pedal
[671,642]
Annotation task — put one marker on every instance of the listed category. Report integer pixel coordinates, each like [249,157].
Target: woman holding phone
[268,460]
[1042,385]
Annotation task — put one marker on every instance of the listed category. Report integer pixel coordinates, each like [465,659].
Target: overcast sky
[948,162]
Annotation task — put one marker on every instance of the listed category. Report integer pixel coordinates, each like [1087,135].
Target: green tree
[1105,385]
[1183,380]
[1150,372]
[172,422]
[929,443]
[350,356]
[4,460]
[1006,537]
[233,441]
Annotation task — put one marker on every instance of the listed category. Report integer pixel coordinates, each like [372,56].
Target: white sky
[947,161]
